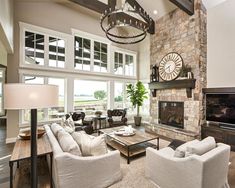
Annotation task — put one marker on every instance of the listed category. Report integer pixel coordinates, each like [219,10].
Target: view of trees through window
[90,95]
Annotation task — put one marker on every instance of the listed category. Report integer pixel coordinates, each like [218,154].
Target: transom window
[38,45]
[100,57]
[34,48]
[82,54]
[56,52]
[118,63]
[124,64]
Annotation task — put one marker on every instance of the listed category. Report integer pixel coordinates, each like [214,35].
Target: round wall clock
[170,66]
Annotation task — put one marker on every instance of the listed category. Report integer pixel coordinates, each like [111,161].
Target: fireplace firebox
[171,113]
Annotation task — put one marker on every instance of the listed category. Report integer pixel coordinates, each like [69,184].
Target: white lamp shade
[30,96]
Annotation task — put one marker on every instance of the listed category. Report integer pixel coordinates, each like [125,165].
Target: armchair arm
[88,122]
[75,171]
[167,171]
[124,119]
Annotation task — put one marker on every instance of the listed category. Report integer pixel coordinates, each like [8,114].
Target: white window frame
[94,38]
[45,77]
[47,33]
[125,52]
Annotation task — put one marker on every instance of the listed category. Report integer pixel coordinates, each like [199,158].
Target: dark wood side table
[99,119]
[21,151]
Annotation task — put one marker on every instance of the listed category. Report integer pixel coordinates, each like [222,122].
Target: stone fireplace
[171,113]
[178,32]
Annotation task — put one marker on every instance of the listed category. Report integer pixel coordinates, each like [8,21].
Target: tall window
[56,52]
[118,95]
[34,48]
[118,63]
[90,95]
[100,57]
[82,54]
[51,113]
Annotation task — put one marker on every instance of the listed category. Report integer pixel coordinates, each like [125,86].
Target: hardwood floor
[5,152]
[22,175]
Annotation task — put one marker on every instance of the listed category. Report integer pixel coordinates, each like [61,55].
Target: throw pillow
[201,147]
[68,144]
[90,145]
[117,118]
[55,128]
[181,150]
[68,125]
[69,122]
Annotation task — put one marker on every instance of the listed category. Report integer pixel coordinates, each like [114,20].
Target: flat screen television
[221,108]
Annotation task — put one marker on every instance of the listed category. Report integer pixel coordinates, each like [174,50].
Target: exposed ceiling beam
[94,5]
[185,5]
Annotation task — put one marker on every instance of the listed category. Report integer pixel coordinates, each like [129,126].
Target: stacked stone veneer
[186,35]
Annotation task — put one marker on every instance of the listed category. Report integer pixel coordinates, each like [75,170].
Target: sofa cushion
[68,144]
[55,128]
[90,145]
[117,118]
[181,150]
[201,147]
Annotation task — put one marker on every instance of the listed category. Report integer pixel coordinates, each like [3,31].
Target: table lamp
[19,96]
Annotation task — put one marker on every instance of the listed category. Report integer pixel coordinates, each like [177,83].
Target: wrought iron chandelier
[126,25]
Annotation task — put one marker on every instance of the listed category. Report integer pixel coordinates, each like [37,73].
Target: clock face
[170,66]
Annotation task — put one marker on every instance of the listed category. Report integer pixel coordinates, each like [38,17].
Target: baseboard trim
[11,140]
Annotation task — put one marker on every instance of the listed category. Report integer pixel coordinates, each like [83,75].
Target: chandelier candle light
[126,25]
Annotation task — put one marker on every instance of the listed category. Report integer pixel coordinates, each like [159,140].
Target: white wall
[144,60]
[6,24]
[221,45]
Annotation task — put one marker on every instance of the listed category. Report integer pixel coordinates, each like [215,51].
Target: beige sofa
[70,171]
[209,170]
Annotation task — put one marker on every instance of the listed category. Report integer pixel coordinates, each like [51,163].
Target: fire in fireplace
[171,113]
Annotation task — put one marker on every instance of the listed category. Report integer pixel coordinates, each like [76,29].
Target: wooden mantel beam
[185,5]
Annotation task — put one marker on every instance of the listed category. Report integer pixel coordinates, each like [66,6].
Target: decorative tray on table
[26,133]
[122,132]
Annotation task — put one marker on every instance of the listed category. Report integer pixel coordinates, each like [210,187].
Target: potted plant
[137,93]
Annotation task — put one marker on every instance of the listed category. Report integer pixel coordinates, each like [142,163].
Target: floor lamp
[31,96]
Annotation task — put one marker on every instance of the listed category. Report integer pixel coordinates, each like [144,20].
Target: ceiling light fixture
[155,12]
[128,24]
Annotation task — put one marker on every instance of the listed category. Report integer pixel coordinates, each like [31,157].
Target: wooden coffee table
[130,146]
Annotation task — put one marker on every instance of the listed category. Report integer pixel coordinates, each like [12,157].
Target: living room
[179,62]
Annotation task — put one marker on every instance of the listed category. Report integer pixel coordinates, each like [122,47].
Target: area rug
[134,173]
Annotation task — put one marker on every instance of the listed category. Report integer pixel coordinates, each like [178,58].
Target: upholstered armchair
[117,117]
[195,171]
[80,122]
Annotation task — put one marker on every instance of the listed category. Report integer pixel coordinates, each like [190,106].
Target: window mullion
[92,55]
[46,51]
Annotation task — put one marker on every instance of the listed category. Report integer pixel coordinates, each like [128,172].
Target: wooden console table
[22,151]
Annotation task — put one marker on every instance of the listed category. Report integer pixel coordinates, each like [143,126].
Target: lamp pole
[34,177]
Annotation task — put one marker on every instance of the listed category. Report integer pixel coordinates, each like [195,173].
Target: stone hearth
[186,35]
